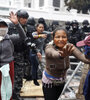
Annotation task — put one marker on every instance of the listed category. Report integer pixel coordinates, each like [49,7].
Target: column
[49,5]
[22,3]
[62,5]
[35,4]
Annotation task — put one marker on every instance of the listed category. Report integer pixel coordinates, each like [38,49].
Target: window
[56,3]
[41,3]
[10,3]
[29,5]
[5,9]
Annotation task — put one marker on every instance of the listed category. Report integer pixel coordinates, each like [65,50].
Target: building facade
[48,9]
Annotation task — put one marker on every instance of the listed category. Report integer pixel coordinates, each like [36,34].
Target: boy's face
[23,21]
[3,29]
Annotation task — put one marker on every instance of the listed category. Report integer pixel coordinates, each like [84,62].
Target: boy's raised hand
[13,17]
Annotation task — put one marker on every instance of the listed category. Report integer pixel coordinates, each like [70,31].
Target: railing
[67,87]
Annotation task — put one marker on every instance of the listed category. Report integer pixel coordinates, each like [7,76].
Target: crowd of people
[22,43]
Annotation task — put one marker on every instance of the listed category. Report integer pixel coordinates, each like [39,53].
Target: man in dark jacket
[85,28]
[75,33]
[6,56]
[20,54]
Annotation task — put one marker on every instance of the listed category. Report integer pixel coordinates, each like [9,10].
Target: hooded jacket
[6,45]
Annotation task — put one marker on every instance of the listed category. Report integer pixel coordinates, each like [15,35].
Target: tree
[80,5]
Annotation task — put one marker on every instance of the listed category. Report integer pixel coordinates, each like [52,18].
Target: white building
[34,4]
[48,9]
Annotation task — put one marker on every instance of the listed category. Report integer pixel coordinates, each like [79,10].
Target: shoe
[36,82]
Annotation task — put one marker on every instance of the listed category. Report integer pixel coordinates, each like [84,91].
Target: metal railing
[79,66]
[69,80]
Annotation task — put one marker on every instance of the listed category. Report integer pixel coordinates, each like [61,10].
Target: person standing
[38,39]
[6,63]
[57,63]
[85,28]
[21,53]
[7,58]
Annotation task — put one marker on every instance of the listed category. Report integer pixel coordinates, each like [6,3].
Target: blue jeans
[34,64]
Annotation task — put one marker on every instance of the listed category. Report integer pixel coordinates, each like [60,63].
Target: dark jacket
[86,88]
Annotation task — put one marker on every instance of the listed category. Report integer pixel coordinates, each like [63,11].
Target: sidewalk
[30,90]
